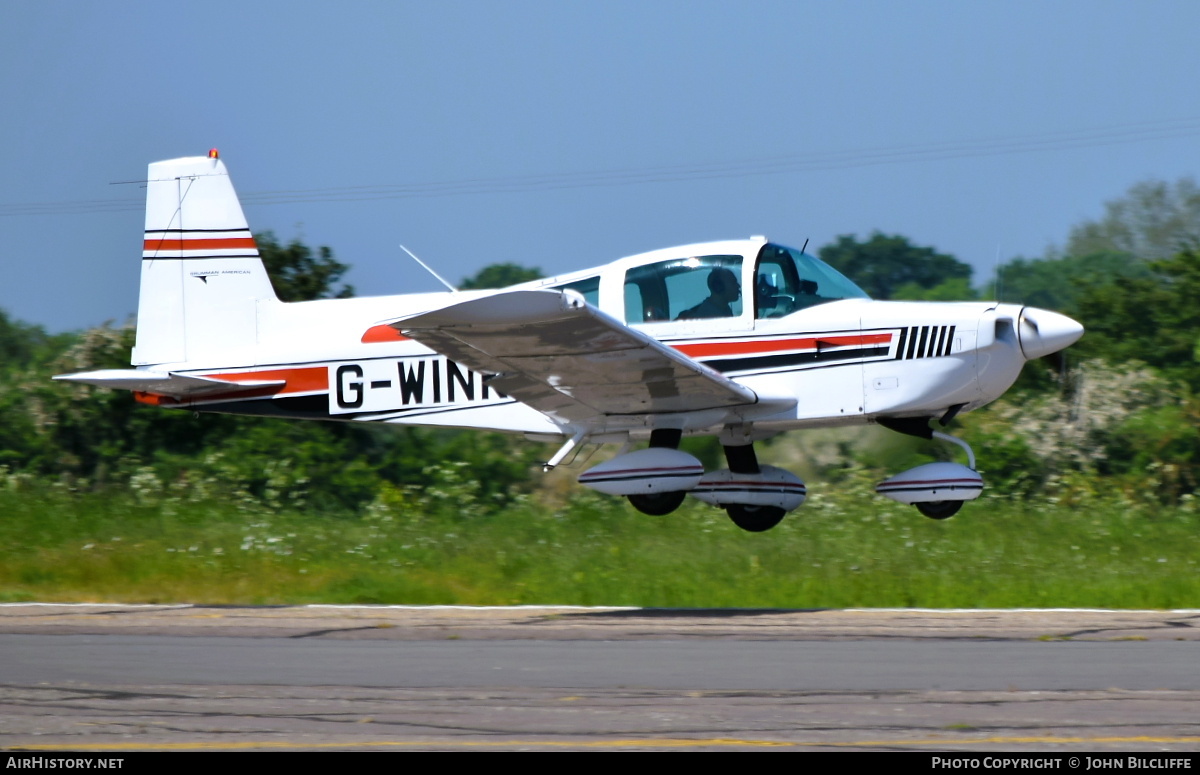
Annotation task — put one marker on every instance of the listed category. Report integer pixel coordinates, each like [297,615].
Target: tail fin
[202,279]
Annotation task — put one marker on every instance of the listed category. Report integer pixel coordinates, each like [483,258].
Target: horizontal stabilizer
[165,384]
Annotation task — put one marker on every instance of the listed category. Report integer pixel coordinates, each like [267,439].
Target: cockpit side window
[786,281]
[776,285]
[695,288]
[589,289]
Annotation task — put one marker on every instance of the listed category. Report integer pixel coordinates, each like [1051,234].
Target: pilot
[766,296]
[807,295]
[724,289]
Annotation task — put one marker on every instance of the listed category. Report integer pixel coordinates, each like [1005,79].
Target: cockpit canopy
[694,284]
[709,286]
[786,280]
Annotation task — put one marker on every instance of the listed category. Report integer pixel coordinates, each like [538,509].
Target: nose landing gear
[939,509]
[938,490]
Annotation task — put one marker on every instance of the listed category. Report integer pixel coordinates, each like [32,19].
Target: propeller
[1043,332]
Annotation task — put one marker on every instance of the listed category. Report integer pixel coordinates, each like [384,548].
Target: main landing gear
[745,491]
[657,479]
[658,504]
[756,497]
[755,519]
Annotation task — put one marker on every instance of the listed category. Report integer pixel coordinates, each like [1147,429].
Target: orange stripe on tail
[212,243]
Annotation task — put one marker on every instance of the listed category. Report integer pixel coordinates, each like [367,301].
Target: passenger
[724,290]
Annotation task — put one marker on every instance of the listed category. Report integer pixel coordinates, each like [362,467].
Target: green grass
[852,549]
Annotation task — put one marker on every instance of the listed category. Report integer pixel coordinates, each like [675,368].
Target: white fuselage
[845,362]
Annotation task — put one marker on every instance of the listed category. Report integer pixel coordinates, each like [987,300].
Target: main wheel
[657,504]
[939,509]
[755,518]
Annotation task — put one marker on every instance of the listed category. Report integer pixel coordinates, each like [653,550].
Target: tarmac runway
[117,678]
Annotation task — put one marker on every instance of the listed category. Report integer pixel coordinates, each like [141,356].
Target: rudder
[203,281]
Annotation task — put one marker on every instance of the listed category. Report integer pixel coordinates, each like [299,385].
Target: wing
[567,359]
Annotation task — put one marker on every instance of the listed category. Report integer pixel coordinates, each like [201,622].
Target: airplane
[741,339]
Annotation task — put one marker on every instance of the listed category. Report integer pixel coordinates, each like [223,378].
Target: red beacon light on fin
[213,154]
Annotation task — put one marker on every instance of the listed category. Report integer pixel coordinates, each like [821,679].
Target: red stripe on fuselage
[759,346]
[304,380]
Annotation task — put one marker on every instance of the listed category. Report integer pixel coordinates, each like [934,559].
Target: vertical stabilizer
[202,279]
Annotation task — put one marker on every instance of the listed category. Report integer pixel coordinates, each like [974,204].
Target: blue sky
[566,134]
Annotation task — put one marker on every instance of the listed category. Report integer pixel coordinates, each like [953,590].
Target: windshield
[787,280]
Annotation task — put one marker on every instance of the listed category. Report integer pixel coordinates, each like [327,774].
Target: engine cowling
[645,472]
[772,487]
[931,483]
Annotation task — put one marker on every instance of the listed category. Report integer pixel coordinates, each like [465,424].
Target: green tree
[884,264]
[99,437]
[1120,420]
[1154,319]
[500,276]
[299,274]
[80,433]
[1055,283]
[953,289]
[1154,220]
[22,344]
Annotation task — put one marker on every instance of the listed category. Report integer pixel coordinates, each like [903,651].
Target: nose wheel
[939,509]
[937,490]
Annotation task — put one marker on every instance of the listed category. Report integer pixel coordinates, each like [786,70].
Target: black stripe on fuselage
[316,407]
[902,343]
[725,365]
[925,342]
[313,407]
